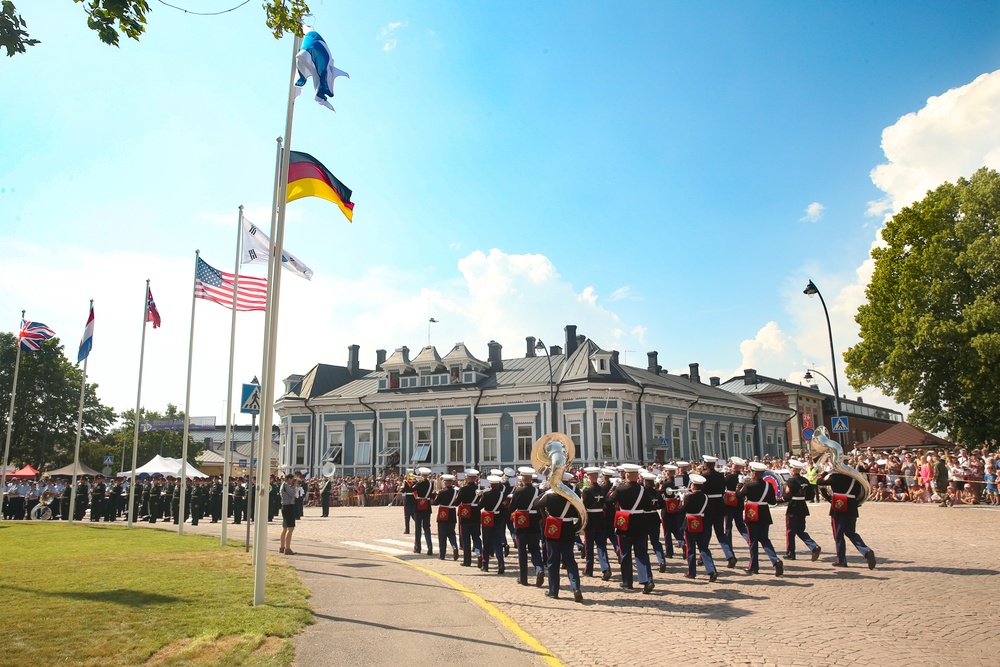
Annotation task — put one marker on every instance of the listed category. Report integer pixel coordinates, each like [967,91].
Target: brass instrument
[823,449]
[555,451]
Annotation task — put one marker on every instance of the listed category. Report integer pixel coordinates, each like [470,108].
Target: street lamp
[540,346]
[810,291]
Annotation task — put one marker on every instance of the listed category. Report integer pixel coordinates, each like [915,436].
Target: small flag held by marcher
[32,334]
[87,342]
[314,60]
[257,249]
[214,285]
[307,177]
[152,314]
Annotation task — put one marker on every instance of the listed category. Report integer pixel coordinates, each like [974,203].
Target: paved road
[928,602]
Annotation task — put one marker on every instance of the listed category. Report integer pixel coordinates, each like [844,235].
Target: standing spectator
[991,486]
[941,480]
[288,514]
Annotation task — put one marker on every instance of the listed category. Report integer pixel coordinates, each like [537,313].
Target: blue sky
[666,176]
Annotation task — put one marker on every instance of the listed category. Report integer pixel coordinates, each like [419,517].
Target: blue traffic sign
[250,402]
[243,463]
[109,460]
[840,425]
[807,434]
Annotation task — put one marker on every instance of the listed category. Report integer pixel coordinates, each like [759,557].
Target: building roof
[906,436]
[460,354]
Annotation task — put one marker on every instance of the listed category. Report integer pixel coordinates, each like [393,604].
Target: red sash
[464,511]
[487,518]
[553,527]
[521,518]
[731,499]
[423,504]
[672,506]
[695,523]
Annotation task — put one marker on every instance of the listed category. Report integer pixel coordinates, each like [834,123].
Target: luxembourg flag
[87,342]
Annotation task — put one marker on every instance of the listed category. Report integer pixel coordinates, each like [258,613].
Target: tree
[46,404]
[113,18]
[930,331]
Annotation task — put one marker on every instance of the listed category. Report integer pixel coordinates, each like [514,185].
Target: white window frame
[449,429]
[601,454]
[676,442]
[362,447]
[710,441]
[300,440]
[627,439]
[485,455]
[530,441]
[724,444]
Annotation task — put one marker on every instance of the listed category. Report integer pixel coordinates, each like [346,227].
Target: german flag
[307,177]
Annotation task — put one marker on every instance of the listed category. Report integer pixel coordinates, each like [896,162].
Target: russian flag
[87,342]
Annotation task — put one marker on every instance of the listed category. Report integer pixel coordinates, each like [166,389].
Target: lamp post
[810,291]
[552,397]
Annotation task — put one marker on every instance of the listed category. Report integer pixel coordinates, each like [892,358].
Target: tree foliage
[46,404]
[112,19]
[930,331]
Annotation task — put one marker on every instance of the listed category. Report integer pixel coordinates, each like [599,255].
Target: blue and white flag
[256,249]
[314,60]
[87,342]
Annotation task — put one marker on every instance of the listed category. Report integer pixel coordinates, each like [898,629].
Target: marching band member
[758,496]
[734,504]
[715,488]
[409,502]
[594,499]
[560,534]
[422,513]
[797,490]
[696,532]
[447,501]
[844,515]
[652,518]
[468,518]
[527,528]
[672,515]
[632,501]
[492,520]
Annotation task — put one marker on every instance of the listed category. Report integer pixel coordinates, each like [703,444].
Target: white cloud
[588,296]
[624,293]
[387,35]
[455,246]
[813,212]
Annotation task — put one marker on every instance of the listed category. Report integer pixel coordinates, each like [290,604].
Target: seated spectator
[970,496]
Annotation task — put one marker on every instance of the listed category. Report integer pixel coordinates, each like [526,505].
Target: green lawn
[106,595]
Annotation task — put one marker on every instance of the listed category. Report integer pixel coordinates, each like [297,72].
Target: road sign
[109,460]
[840,425]
[807,434]
[106,470]
[250,403]
[807,420]
[243,463]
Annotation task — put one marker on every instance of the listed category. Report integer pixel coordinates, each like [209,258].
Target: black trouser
[325,500]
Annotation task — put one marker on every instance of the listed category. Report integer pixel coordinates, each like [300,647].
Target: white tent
[164,465]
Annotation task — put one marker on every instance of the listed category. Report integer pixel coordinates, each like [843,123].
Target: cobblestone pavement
[928,602]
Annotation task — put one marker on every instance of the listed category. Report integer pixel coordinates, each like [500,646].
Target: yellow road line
[506,620]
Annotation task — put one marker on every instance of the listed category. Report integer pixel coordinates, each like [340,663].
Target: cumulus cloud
[813,212]
[387,35]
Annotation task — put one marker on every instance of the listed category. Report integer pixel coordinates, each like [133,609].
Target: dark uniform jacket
[624,497]
[595,500]
[715,488]
[522,500]
[552,504]
[652,516]
[407,491]
[798,491]
[752,492]
[492,501]
[469,495]
[840,483]
[694,503]
[447,497]
[423,490]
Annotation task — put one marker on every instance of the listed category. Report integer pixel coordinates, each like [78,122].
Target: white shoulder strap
[638,498]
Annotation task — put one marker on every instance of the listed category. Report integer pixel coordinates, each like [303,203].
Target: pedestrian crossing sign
[250,403]
[840,425]
[109,460]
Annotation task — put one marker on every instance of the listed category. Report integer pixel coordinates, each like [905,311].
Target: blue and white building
[454,411]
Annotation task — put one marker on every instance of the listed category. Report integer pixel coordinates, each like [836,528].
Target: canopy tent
[67,471]
[27,472]
[163,465]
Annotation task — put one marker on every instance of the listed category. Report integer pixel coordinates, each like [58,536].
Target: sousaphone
[555,451]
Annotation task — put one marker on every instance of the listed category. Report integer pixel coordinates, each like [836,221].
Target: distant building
[813,408]
[456,411]
[211,460]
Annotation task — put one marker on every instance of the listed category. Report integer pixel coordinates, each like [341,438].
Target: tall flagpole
[79,432]
[270,343]
[187,405]
[10,413]
[226,471]
[138,403]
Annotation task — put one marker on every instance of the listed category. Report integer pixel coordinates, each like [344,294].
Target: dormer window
[600,361]
[394,380]
[456,374]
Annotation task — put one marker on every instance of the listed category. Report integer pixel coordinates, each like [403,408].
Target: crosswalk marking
[376,547]
[400,543]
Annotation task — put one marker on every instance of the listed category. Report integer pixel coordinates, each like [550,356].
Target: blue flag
[314,60]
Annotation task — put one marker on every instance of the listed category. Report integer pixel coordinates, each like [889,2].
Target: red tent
[25,473]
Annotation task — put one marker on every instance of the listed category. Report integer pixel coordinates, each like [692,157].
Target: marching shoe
[688,575]
[712,577]
[552,594]
[606,575]
[577,595]
[430,552]
[648,587]
[779,569]
[539,579]
[506,550]
[501,569]
[816,552]
[731,563]
[454,554]
[870,557]
[663,567]
[839,564]
[626,587]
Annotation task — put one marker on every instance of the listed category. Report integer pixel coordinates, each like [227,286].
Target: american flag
[217,286]
[32,334]
[152,314]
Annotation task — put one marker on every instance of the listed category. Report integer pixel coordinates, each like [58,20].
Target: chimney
[580,340]
[614,357]
[495,361]
[379,359]
[861,399]
[352,360]
[531,346]
[693,369]
[685,376]
[554,350]
[651,364]
[749,376]
[405,351]
[714,381]
[570,339]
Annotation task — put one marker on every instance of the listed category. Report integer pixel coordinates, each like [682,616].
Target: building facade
[456,411]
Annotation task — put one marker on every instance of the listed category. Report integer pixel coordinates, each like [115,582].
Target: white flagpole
[226,471]
[10,413]
[270,345]
[79,432]
[187,405]
[138,402]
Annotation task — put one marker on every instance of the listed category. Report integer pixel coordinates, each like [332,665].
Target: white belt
[714,495]
[798,497]
[849,495]
[597,510]
[632,511]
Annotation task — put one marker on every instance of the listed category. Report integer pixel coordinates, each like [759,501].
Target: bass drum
[776,483]
[41,513]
